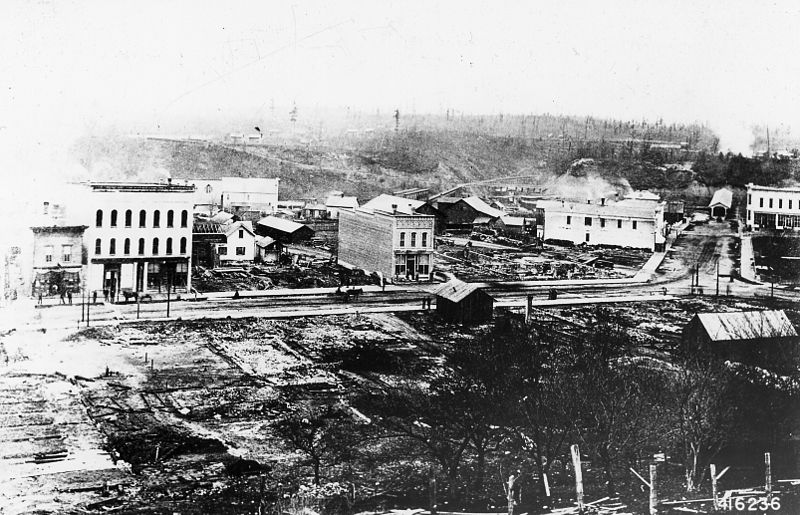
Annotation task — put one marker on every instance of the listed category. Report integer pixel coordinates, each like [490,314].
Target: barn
[465,303]
[765,338]
[283,231]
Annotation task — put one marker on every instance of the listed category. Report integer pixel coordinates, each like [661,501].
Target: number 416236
[750,504]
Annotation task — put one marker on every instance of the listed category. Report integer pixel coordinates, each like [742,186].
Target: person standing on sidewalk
[62,297]
[69,297]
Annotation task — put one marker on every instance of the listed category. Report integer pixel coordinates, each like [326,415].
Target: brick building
[396,243]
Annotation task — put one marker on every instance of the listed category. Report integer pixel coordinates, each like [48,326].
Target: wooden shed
[764,338]
[283,231]
[721,203]
[465,303]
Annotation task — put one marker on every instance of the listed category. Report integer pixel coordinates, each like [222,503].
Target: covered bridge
[721,203]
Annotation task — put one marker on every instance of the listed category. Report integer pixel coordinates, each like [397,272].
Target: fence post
[653,492]
[576,464]
[767,475]
[432,488]
[713,484]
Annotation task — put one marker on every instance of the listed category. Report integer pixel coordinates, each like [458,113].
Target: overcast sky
[69,66]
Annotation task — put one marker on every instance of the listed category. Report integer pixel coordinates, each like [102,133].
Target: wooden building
[765,338]
[721,203]
[284,231]
[464,303]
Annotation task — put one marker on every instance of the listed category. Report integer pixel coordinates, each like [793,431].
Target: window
[170,218]
[240,251]
[155,245]
[184,218]
[587,237]
[633,224]
[761,202]
[48,253]
[156,218]
[222,250]
[113,218]
[141,246]
[112,246]
[790,203]
[97,246]
[780,203]
[770,203]
[402,239]
[183,245]
[413,239]
[241,233]
[142,218]
[424,239]
[128,218]
[98,218]
[126,247]
[619,224]
[400,269]
[749,198]
[587,221]
[423,264]
[209,189]
[569,220]
[66,253]
[602,223]
[169,246]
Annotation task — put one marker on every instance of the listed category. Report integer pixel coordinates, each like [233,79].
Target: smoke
[584,181]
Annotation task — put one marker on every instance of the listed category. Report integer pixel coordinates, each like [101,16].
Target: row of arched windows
[126,246]
[142,218]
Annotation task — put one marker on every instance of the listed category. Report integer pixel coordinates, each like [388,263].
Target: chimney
[603,201]
[588,201]
[394,209]
[169,181]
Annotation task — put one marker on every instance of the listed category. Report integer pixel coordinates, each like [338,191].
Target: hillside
[435,153]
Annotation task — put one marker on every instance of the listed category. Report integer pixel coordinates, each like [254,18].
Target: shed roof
[384,202]
[482,207]
[341,201]
[722,197]
[747,325]
[455,290]
[264,241]
[280,224]
[517,221]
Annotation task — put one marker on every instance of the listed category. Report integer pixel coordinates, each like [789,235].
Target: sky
[70,67]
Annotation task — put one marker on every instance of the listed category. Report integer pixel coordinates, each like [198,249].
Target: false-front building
[139,238]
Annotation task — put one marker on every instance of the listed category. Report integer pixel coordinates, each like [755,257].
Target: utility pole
[717,276]
[169,287]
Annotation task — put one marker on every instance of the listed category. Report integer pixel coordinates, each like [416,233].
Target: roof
[317,207]
[482,220]
[722,197]
[447,200]
[340,201]
[482,207]
[247,225]
[280,224]
[513,220]
[757,187]
[455,290]
[264,241]
[629,208]
[746,325]
[642,195]
[138,187]
[222,217]
[207,228]
[385,202]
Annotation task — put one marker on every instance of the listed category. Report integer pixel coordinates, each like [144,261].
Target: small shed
[462,302]
[284,231]
[753,337]
[206,236]
[721,203]
[267,249]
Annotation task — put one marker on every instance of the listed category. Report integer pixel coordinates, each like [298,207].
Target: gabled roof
[247,225]
[280,224]
[482,207]
[722,197]
[384,202]
[746,325]
[455,290]
[482,220]
[516,221]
